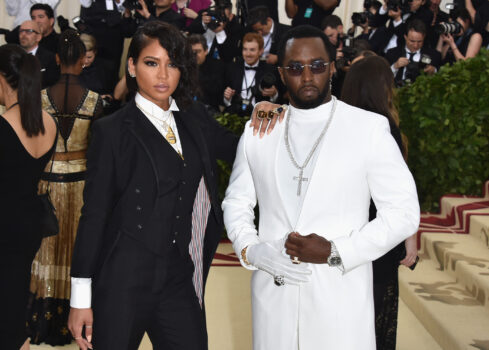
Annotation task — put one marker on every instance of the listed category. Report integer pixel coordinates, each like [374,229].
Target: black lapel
[158,150]
[189,119]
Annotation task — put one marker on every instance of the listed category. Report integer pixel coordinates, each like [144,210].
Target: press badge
[308,12]
[245,104]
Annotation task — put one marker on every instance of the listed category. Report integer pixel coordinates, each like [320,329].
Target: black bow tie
[250,68]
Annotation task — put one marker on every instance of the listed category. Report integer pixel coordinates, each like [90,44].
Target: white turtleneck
[305,126]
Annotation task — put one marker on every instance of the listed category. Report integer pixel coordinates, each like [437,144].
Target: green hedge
[446,119]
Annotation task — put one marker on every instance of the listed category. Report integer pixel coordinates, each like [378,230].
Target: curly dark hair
[179,51]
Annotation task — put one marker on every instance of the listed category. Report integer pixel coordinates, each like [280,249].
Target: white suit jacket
[358,160]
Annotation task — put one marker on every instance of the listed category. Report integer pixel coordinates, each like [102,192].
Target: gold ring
[295,260]
[279,109]
[261,114]
[270,115]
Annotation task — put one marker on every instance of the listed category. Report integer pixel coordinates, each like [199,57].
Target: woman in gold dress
[75,107]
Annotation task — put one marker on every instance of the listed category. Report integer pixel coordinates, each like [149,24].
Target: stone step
[464,257]
[451,314]
[479,228]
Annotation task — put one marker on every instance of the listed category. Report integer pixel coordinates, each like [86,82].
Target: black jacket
[395,53]
[49,68]
[131,170]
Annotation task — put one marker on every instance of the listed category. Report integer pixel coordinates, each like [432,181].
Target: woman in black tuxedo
[150,197]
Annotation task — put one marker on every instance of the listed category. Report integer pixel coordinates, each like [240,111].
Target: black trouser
[139,292]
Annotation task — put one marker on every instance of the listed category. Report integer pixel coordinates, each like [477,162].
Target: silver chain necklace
[301,177]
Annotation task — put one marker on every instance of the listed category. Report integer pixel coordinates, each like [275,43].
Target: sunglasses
[28,31]
[296,69]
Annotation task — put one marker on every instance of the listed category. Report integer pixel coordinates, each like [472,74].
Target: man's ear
[281,72]
[51,22]
[261,51]
[332,69]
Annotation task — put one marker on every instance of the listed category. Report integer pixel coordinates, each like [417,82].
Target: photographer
[249,80]
[161,10]
[310,12]
[271,31]
[388,36]
[102,19]
[364,20]
[211,74]
[189,10]
[439,16]
[408,61]
[458,40]
[221,30]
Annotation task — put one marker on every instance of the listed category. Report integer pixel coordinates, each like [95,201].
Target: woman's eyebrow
[152,57]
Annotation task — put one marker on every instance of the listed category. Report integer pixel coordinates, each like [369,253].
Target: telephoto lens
[448,28]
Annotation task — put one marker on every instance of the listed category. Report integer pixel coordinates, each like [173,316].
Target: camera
[448,28]
[359,18]
[268,81]
[413,69]
[348,50]
[217,14]
[81,25]
[132,5]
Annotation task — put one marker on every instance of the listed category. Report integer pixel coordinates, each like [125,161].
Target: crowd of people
[212,59]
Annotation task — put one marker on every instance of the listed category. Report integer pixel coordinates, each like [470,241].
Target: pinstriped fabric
[200,214]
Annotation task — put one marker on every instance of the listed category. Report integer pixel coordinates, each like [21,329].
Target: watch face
[335,261]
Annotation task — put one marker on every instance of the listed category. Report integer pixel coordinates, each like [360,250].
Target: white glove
[267,256]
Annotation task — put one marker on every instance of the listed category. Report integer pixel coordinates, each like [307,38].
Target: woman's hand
[144,11]
[78,319]
[411,251]
[263,125]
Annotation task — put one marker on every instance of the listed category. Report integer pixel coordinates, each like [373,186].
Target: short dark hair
[417,25]
[332,21]
[305,31]
[22,72]
[179,51]
[70,47]
[195,39]
[45,7]
[258,14]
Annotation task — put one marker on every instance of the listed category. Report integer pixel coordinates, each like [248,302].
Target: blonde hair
[89,42]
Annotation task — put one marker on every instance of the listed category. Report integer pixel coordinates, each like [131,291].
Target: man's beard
[309,104]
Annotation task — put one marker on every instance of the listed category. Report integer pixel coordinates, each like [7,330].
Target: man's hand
[401,62]
[229,93]
[205,18]
[144,11]
[272,59]
[311,248]
[78,319]
[262,125]
[429,69]
[189,13]
[269,92]
[220,28]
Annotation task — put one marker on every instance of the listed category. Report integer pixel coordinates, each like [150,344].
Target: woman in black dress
[27,136]
[369,84]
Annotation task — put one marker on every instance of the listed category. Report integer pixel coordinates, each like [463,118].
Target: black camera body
[359,18]
[396,5]
[448,28]
[218,16]
[348,50]
[267,81]
[132,5]
[413,69]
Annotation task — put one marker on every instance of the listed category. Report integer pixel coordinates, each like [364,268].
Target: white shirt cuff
[382,11]
[81,293]
[221,36]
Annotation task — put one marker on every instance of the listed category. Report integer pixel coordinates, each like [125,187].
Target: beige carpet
[229,312]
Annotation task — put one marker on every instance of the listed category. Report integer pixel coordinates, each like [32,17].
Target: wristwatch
[334,258]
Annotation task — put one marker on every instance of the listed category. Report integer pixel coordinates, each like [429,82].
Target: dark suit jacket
[393,55]
[278,32]
[211,82]
[49,68]
[130,172]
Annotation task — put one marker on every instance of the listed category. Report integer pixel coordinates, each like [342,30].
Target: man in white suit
[312,252]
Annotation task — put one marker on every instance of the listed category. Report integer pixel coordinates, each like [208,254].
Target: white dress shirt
[81,288]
